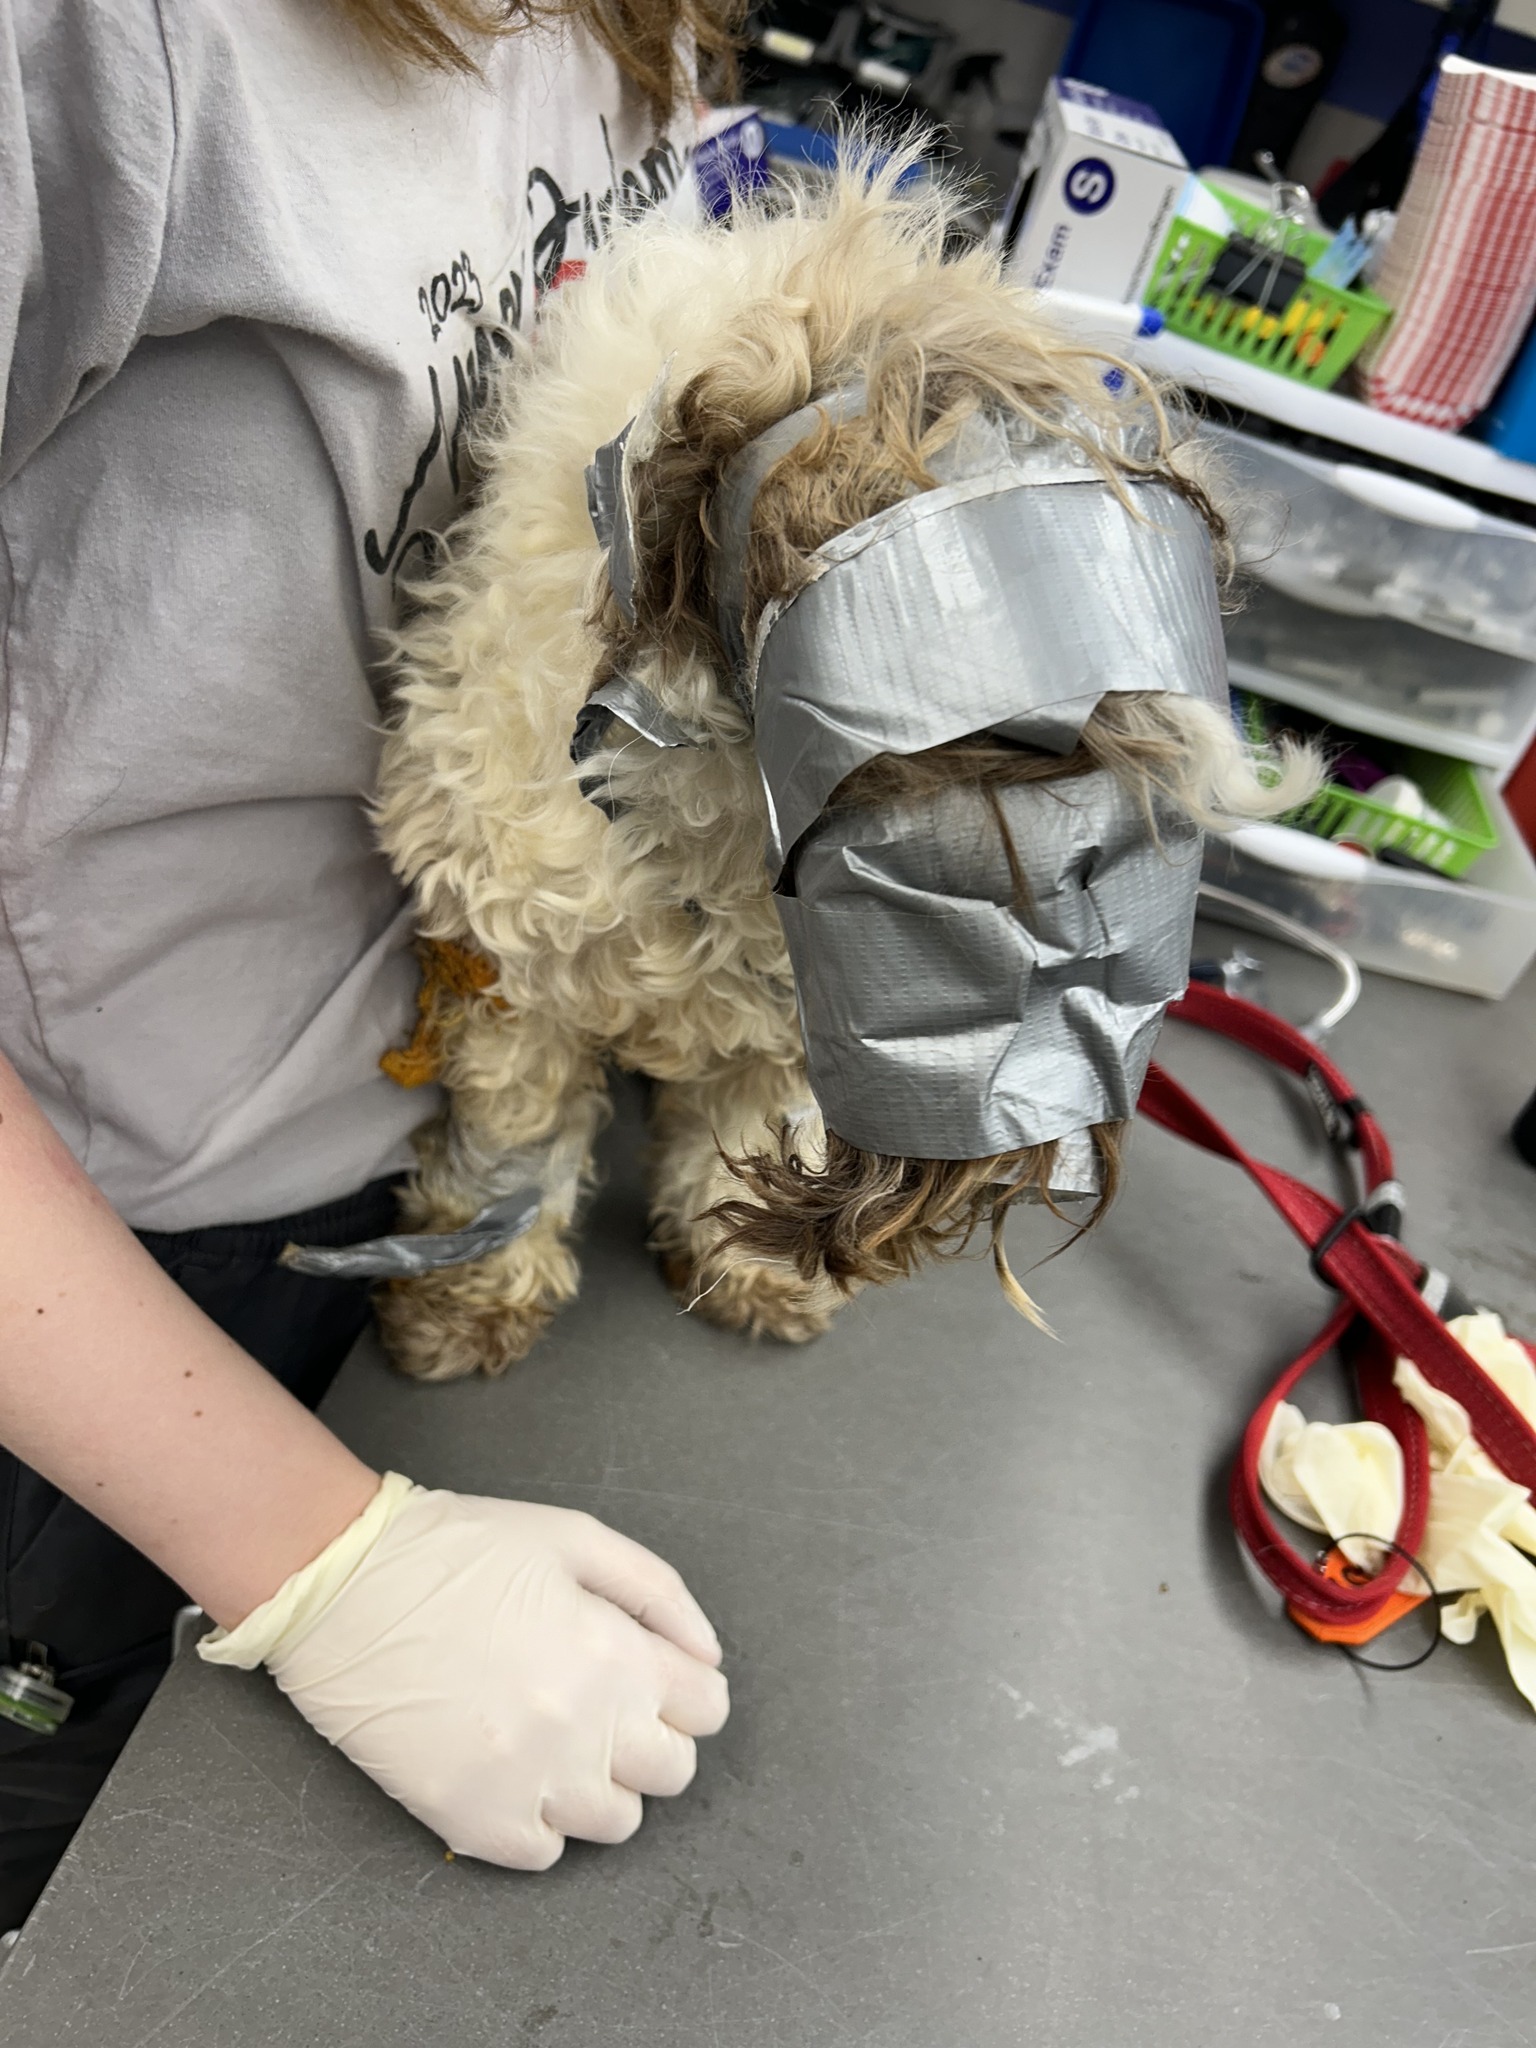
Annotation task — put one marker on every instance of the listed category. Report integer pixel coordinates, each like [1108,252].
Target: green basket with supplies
[1451,787]
[1312,338]
[1461,831]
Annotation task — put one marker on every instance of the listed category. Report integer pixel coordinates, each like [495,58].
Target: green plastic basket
[1313,342]
[1450,786]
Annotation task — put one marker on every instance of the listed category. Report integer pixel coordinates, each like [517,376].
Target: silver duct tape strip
[942,1021]
[607,507]
[985,605]
[732,506]
[610,492]
[1075,1175]
[990,441]
[636,706]
[605,474]
[403,1257]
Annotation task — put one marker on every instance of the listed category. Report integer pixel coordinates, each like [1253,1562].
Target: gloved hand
[512,1674]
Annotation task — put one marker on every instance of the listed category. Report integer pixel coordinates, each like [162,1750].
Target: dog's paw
[431,1334]
[749,1295]
[477,1318]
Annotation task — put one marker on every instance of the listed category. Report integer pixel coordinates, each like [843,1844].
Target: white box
[1098,183]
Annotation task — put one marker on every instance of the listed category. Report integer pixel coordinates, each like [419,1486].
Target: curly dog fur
[650,940]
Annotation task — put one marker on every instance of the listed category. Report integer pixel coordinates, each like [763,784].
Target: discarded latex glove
[1480,1523]
[1508,1364]
[1336,1477]
[512,1674]
[1340,1477]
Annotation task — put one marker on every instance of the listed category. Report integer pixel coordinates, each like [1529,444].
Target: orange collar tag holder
[1336,1566]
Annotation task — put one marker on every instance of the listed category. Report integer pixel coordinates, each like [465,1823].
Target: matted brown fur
[863,1218]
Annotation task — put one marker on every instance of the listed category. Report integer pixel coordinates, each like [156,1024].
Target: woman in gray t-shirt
[258,259]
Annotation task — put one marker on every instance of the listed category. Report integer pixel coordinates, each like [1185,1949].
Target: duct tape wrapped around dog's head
[964,990]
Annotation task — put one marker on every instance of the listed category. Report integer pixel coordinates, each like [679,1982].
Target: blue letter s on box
[1089,185]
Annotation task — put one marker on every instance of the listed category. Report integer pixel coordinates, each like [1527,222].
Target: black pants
[103,1610]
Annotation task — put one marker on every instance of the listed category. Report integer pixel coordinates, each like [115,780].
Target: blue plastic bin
[1510,422]
[1193,60]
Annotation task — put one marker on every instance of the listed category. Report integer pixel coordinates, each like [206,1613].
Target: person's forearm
[115,1387]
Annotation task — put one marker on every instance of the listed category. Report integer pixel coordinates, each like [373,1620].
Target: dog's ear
[864,1218]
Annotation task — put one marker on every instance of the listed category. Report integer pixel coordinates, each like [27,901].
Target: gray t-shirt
[251,285]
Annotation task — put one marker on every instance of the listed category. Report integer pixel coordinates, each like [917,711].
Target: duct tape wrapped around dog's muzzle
[964,1001]
[409,1254]
[943,1017]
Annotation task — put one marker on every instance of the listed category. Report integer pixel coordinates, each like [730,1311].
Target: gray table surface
[1016,1756]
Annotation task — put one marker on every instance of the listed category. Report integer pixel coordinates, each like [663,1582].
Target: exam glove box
[1477,935]
[1097,185]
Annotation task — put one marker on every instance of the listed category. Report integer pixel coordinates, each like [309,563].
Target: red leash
[1381,1315]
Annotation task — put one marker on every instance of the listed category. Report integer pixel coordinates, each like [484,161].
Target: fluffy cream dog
[648,938]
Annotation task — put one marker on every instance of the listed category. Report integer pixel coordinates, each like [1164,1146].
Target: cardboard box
[1098,183]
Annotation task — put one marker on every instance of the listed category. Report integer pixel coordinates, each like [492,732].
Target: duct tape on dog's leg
[403,1257]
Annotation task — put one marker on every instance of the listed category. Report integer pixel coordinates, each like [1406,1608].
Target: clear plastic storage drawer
[1358,540]
[1384,677]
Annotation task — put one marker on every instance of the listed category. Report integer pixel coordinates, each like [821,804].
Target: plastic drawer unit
[1477,935]
[1382,603]
[1378,676]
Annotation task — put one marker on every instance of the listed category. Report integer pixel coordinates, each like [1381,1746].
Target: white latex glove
[1342,1478]
[1481,1525]
[512,1674]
